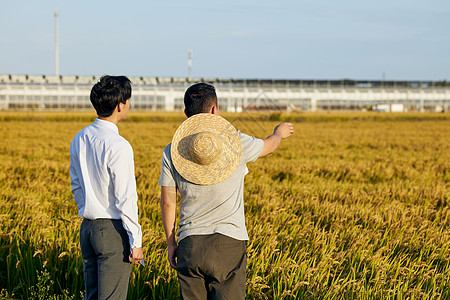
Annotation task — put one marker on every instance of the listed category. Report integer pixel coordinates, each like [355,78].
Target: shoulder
[166,155]
[248,140]
[83,131]
[167,148]
[120,144]
[244,137]
[251,147]
[79,136]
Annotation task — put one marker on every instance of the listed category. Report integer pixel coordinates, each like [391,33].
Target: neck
[113,119]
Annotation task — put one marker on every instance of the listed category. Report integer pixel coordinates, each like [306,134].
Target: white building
[41,92]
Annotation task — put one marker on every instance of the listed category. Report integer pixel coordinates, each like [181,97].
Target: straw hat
[206,149]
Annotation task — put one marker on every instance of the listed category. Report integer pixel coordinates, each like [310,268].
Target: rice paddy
[352,206]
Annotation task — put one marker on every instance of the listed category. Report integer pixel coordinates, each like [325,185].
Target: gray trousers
[105,249]
[212,267]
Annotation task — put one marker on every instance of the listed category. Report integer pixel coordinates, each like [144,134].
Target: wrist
[278,135]
[171,243]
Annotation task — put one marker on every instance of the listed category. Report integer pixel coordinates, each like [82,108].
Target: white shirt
[102,177]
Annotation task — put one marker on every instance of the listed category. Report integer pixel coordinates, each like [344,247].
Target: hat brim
[225,164]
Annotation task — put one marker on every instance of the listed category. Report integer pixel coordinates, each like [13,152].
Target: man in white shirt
[104,187]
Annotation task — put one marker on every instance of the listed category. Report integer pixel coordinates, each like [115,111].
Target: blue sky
[283,39]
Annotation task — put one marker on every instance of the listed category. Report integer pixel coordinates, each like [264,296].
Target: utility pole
[189,63]
[56,44]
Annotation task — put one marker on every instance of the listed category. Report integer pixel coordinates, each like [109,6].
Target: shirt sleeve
[251,147]
[167,177]
[121,168]
[75,180]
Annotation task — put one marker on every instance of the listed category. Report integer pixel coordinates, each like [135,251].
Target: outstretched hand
[272,142]
[284,130]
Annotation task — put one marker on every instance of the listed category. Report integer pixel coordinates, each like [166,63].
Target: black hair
[109,92]
[199,98]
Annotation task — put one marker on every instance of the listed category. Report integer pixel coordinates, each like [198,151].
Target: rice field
[353,206]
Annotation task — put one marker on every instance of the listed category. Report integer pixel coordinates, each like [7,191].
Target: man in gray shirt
[206,162]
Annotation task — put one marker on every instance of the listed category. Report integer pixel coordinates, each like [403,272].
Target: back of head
[108,93]
[199,98]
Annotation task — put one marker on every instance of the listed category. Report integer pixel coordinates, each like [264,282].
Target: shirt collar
[107,124]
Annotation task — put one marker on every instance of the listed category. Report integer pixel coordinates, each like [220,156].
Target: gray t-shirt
[217,208]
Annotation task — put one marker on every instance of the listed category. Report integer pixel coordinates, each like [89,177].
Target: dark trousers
[212,267]
[105,249]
